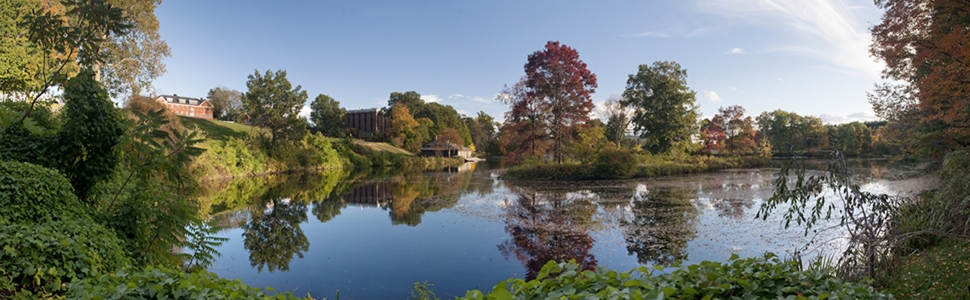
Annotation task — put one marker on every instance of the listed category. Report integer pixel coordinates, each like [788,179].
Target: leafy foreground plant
[164,283]
[765,277]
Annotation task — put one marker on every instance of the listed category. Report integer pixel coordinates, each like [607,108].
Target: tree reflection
[548,227]
[273,234]
[663,221]
[327,209]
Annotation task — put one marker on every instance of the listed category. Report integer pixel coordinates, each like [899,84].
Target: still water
[372,235]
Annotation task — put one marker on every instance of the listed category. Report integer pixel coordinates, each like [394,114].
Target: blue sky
[806,56]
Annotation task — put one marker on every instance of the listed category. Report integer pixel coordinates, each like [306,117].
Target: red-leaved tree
[926,44]
[557,88]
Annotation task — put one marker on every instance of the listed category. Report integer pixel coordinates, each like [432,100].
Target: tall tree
[926,46]
[411,99]
[134,60]
[63,37]
[327,116]
[739,134]
[617,121]
[227,104]
[45,42]
[664,109]
[403,128]
[713,134]
[482,130]
[524,133]
[560,81]
[272,102]
[788,131]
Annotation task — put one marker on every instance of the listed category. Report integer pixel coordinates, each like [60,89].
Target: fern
[201,240]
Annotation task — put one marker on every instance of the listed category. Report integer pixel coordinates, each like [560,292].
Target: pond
[373,235]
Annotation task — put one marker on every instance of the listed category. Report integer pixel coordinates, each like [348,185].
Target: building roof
[364,110]
[176,99]
[439,145]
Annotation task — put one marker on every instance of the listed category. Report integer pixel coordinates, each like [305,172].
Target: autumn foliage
[926,44]
[553,95]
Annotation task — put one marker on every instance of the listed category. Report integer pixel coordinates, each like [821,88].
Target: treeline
[655,126]
[412,122]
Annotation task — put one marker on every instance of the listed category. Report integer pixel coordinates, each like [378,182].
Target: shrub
[751,278]
[30,193]
[163,283]
[956,190]
[38,259]
[612,163]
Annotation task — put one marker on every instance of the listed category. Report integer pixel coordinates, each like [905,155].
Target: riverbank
[645,168]
[237,150]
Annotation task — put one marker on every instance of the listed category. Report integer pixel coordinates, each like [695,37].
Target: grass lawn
[382,147]
[219,130]
[941,272]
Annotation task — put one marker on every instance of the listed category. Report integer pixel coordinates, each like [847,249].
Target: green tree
[788,131]
[589,140]
[227,104]
[274,236]
[69,35]
[561,83]
[93,127]
[403,128]
[617,121]
[21,60]
[664,109]
[411,99]
[133,60]
[273,103]
[327,116]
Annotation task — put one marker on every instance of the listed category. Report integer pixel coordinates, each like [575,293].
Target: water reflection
[464,228]
[663,221]
[548,226]
[273,235]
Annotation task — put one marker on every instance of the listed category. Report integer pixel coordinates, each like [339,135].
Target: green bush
[31,193]
[163,283]
[612,163]
[40,258]
[752,278]
[955,191]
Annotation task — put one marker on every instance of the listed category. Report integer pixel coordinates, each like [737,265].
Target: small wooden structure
[439,148]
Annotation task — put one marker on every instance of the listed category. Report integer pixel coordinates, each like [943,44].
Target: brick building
[186,106]
[367,121]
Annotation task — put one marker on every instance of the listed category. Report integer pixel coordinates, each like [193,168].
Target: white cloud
[430,98]
[862,116]
[305,112]
[711,96]
[455,96]
[779,79]
[735,51]
[655,34]
[481,100]
[827,118]
[734,89]
[828,30]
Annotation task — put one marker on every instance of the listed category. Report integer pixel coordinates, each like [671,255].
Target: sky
[806,56]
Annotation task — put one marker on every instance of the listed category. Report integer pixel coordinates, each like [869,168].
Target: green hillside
[382,147]
[221,130]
